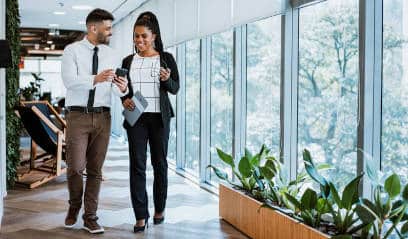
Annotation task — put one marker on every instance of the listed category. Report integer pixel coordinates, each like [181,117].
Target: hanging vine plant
[12,85]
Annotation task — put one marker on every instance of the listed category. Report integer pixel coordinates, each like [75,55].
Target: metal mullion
[181,57]
[244,79]
[239,100]
[289,81]
[205,117]
[369,123]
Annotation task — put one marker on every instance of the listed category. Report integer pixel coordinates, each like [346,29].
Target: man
[87,73]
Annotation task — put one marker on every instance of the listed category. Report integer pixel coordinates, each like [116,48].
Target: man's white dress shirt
[76,71]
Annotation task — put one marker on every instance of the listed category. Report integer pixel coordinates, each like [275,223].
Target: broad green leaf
[342,237]
[335,195]
[248,154]
[244,167]
[311,169]
[307,218]
[267,172]
[255,161]
[405,193]
[257,176]
[393,185]
[270,163]
[386,206]
[220,174]
[324,166]
[371,206]
[309,199]
[264,150]
[350,193]
[293,201]
[404,229]
[252,183]
[226,158]
[322,206]
[365,214]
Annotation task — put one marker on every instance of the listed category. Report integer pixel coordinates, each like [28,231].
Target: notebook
[131,116]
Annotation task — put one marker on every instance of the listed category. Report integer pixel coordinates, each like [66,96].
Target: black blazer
[171,85]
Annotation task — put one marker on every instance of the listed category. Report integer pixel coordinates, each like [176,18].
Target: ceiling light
[49,42]
[82,7]
[53,25]
[59,13]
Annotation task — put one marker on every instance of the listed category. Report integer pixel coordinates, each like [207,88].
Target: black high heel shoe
[137,229]
[157,221]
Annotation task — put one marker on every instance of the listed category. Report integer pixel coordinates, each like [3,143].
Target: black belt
[86,110]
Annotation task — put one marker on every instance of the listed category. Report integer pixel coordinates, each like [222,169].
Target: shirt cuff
[121,94]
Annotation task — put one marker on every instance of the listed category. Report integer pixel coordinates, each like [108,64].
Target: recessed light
[53,25]
[59,13]
[82,7]
[49,42]
[81,22]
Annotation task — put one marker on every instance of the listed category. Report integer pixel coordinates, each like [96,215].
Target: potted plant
[33,91]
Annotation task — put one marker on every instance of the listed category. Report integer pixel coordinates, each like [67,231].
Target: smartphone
[121,72]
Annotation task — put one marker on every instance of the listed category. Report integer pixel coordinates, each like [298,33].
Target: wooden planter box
[246,214]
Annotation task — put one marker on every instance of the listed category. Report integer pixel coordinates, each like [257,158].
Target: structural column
[2,113]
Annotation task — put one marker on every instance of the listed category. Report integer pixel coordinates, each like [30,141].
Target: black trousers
[148,128]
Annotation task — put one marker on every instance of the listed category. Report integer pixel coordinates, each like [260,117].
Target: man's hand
[129,104]
[121,83]
[106,75]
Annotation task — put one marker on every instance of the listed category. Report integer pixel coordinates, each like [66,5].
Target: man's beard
[102,39]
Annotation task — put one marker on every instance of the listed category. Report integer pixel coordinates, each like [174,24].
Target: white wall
[183,20]
[2,114]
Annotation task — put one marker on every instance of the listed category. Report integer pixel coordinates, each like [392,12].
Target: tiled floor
[191,212]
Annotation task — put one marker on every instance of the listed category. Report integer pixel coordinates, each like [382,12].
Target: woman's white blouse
[145,77]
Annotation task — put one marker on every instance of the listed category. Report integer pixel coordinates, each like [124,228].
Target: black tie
[91,97]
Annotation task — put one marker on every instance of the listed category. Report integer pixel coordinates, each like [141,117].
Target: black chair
[36,117]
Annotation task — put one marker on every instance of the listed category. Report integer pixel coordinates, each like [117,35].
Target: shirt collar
[88,44]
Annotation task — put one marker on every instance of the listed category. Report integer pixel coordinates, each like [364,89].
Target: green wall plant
[12,85]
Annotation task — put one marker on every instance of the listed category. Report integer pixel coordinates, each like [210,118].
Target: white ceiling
[40,13]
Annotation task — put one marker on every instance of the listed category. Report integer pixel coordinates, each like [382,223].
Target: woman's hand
[128,104]
[164,74]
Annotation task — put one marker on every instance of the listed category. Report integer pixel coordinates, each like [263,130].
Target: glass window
[192,104]
[172,148]
[221,94]
[328,86]
[263,84]
[394,140]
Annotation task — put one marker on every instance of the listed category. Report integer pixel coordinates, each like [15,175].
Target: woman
[153,72]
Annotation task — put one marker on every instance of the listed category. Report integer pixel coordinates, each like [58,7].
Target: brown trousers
[87,141]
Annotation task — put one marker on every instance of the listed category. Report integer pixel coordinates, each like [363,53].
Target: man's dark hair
[99,15]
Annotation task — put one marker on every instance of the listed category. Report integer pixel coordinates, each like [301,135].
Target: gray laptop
[131,116]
